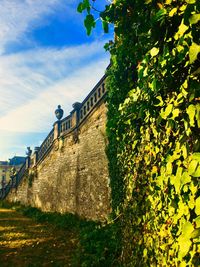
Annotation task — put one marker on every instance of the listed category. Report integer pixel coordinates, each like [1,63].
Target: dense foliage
[153,128]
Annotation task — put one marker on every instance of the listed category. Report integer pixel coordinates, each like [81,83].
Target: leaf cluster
[156,133]
[153,130]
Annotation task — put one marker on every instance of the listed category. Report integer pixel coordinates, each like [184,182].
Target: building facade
[8,167]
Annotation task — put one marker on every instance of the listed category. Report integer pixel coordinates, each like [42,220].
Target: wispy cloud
[19,17]
[35,81]
[25,75]
[35,111]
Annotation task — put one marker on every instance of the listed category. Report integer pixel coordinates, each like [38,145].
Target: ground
[26,243]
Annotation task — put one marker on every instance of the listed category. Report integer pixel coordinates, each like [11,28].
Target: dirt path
[26,243]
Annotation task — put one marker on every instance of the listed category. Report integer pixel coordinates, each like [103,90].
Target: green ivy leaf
[105,26]
[197,172]
[185,178]
[154,51]
[187,229]
[169,168]
[168,110]
[160,104]
[172,12]
[197,206]
[191,110]
[192,166]
[198,114]
[196,156]
[89,23]
[191,1]
[193,52]
[175,113]
[184,151]
[194,18]
[184,247]
[80,8]
[197,221]
[195,233]
[181,30]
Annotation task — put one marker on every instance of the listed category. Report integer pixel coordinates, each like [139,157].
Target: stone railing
[15,179]
[92,99]
[45,146]
[60,128]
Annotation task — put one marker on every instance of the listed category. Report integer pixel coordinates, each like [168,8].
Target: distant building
[6,168]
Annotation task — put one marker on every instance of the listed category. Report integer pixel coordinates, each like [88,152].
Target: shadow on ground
[26,243]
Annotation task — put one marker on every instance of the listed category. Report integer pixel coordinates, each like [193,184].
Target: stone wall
[73,176]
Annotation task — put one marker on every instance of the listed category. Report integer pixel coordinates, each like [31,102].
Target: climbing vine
[153,129]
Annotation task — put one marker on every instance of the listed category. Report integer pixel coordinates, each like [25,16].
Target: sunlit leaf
[187,229]
[197,222]
[168,110]
[195,233]
[175,113]
[191,110]
[172,12]
[185,178]
[194,18]
[193,52]
[192,166]
[181,30]
[197,172]
[197,206]
[89,23]
[154,51]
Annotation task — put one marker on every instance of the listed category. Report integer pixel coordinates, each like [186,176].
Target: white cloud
[34,118]
[25,75]
[37,114]
[18,17]
[34,82]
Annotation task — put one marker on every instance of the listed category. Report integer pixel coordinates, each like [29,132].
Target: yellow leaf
[184,151]
[154,51]
[193,52]
[183,7]
[194,18]
[154,169]
[181,30]
[175,113]
[168,2]
[197,206]
[184,246]
[160,5]
[172,12]
[191,1]
[145,252]
[197,222]
[169,168]
[191,110]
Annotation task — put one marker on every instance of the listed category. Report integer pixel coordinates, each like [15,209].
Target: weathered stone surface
[73,177]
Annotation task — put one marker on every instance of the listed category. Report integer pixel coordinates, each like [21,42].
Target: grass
[94,244]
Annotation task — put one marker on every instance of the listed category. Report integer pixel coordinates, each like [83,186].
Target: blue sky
[46,59]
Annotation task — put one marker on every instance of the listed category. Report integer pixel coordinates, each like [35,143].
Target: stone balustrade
[61,127]
[45,146]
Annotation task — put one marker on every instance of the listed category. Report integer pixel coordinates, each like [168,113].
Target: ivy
[153,130]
